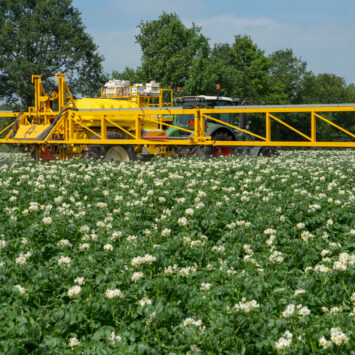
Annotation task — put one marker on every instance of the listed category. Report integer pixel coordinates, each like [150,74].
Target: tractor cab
[202,101]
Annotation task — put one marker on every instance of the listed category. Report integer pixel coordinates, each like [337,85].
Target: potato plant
[178,256]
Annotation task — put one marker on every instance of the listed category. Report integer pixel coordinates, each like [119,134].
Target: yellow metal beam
[8,114]
[187,142]
[281,109]
[313,127]
[135,111]
[268,127]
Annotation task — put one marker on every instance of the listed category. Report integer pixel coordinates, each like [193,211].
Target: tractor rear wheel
[219,151]
[267,152]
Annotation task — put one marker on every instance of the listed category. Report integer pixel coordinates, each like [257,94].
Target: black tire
[267,152]
[208,151]
[203,151]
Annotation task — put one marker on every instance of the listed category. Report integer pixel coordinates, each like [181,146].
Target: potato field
[241,255]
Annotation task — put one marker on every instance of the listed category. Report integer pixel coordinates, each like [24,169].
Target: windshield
[187,120]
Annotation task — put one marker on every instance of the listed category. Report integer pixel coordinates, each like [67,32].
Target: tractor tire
[207,151]
[267,152]
[119,153]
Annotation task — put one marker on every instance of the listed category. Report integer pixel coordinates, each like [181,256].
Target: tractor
[218,132]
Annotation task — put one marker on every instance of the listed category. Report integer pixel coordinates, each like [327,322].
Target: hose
[43,135]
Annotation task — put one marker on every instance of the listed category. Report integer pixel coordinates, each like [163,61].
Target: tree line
[44,37]
[181,57]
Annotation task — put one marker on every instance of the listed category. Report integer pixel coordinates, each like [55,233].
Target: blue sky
[321,32]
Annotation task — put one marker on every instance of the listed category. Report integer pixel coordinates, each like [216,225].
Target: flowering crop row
[226,255]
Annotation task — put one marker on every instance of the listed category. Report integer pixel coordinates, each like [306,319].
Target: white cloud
[326,47]
[147,8]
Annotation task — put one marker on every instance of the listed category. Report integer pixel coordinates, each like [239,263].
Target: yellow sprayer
[129,122]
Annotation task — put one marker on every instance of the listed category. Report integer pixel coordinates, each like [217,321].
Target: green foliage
[45,37]
[169,49]
[287,74]
[128,74]
[178,56]
[250,61]
[204,233]
[326,88]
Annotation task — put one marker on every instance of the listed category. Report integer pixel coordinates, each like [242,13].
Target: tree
[241,69]
[204,76]
[169,49]
[210,69]
[329,89]
[251,62]
[132,75]
[326,89]
[45,37]
[287,73]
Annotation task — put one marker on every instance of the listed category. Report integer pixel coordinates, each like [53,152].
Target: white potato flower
[64,261]
[338,337]
[269,231]
[276,257]
[246,306]
[74,342]
[108,247]
[110,294]
[285,341]
[182,221]
[64,243]
[79,281]
[84,246]
[114,338]
[20,289]
[323,342]
[144,301]
[205,286]
[189,212]
[166,232]
[290,309]
[21,260]
[136,276]
[303,311]
[47,220]
[300,225]
[299,291]
[192,321]
[74,291]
